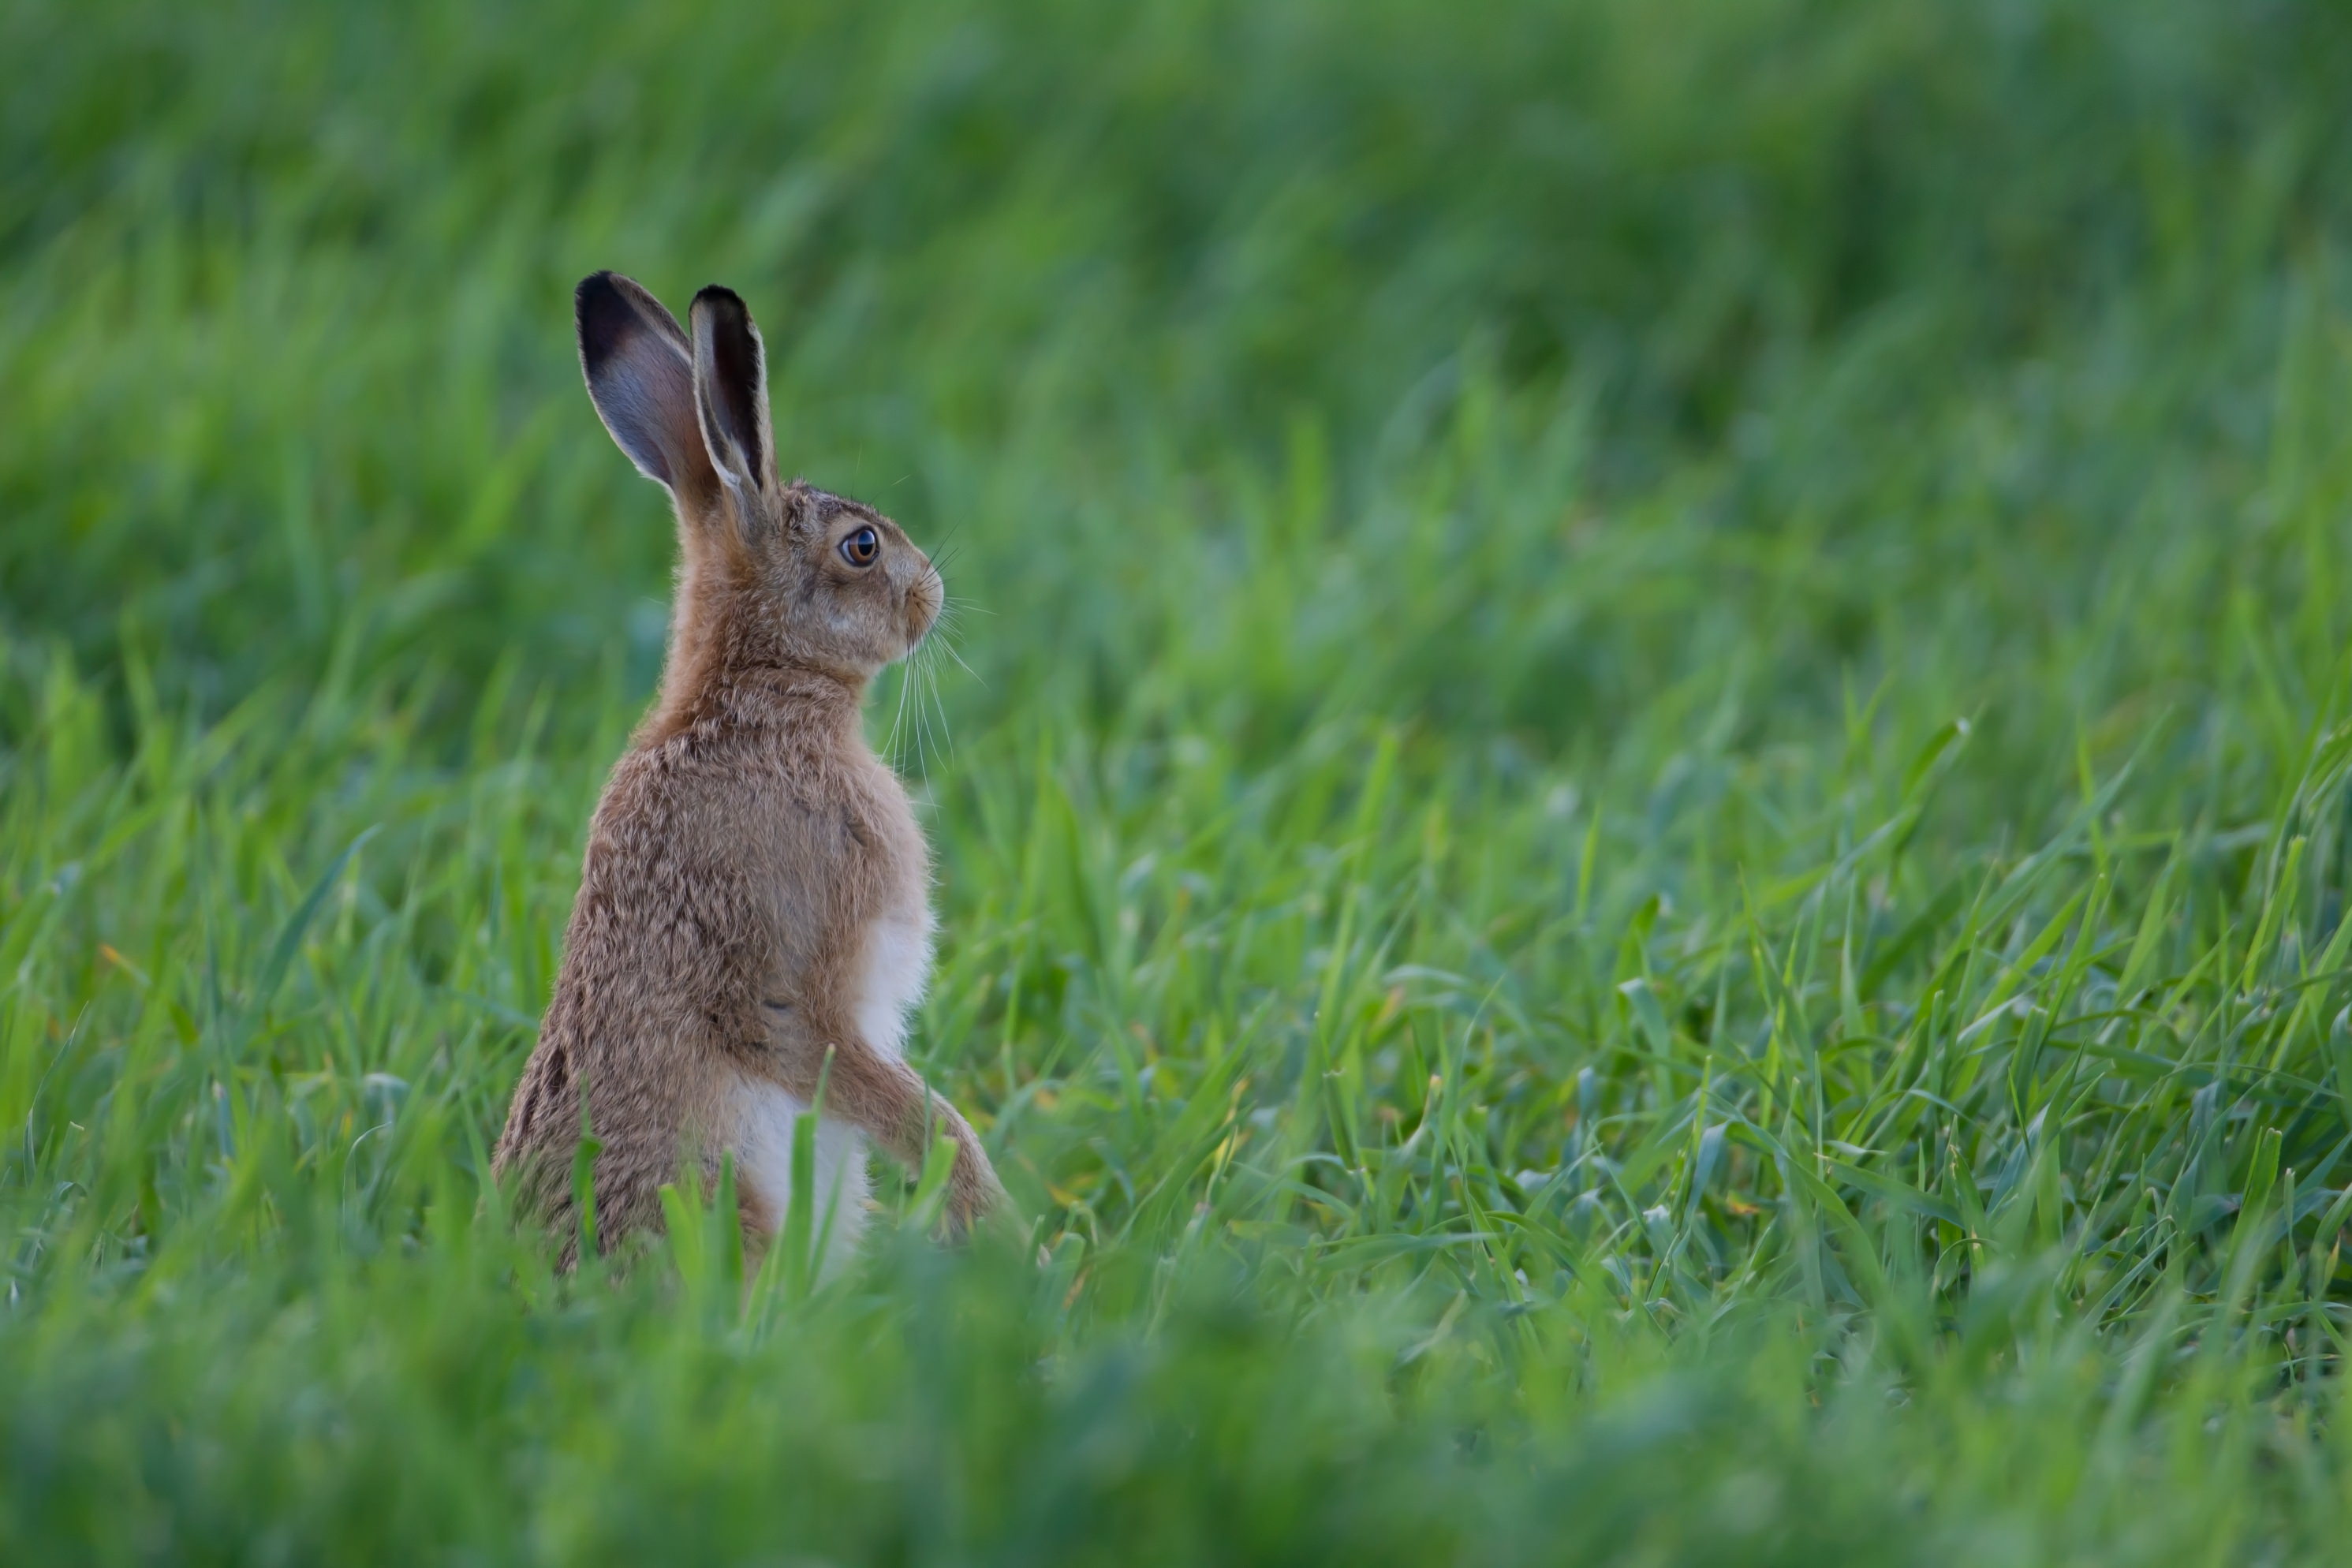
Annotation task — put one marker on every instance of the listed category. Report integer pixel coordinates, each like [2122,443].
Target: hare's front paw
[974,1194]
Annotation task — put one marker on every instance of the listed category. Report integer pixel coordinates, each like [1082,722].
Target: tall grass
[1643,818]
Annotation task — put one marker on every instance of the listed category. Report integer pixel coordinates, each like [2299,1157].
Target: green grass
[1643,859]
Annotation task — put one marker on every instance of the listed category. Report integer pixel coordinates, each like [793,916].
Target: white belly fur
[765,1116]
[892,973]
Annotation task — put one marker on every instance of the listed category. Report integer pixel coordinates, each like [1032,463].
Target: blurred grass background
[1642,857]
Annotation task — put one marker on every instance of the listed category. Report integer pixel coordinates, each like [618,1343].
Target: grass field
[1643,826]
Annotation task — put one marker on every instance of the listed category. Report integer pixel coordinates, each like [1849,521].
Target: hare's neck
[729,668]
[687,669]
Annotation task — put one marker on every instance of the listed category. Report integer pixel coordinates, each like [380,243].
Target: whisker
[932,685]
[898,719]
[945,632]
[923,715]
[913,752]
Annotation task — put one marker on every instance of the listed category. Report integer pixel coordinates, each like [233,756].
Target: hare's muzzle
[924,596]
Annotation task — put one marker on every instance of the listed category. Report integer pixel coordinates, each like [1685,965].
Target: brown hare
[754,904]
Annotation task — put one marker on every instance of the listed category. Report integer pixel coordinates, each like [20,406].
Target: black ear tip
[603,315]
[597,293]
[723,304]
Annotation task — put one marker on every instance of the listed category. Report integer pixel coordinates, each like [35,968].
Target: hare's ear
[730,393]
[640,374]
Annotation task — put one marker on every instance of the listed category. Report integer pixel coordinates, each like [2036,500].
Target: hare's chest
[892,963]
[894,967]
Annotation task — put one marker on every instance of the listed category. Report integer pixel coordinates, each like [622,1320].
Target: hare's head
[824,580]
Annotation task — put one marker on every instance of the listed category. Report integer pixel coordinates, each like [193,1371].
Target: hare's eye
[861,547]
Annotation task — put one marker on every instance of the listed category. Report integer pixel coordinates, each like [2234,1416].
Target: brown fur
[749,844]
